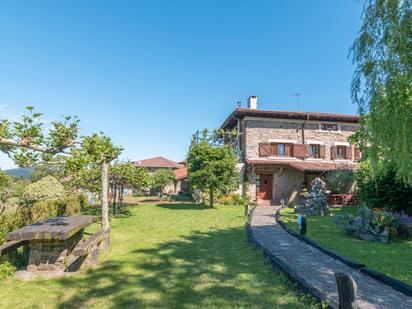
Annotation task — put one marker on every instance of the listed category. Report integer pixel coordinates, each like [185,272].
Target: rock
[24,275]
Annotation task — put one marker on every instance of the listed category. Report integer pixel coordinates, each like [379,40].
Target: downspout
[303,128]
[303,142]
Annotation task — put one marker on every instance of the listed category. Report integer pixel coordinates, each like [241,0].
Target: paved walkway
[318,268]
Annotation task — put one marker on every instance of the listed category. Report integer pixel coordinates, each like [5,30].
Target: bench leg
[105,243]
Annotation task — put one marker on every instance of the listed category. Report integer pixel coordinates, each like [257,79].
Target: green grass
[167,256]
[392,259]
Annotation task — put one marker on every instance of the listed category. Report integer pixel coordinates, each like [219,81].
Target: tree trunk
[104,201]
[211,198]
[121,195]
[114,198]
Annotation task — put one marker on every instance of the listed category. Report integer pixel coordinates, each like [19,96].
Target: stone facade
[287,180]
[258,131]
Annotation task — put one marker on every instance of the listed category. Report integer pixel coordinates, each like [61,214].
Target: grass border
[392,282]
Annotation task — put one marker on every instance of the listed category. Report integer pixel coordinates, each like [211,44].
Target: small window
[329,127]
[282,150]
[314,151]
[341,152]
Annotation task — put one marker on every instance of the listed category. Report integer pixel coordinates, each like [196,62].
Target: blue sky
[150,73]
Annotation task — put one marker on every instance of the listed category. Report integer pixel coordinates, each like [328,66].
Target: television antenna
[297,95]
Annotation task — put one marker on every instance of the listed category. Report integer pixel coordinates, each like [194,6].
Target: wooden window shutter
[358,154]
[349,152]
[322,151]
[288,150]
[333,152]
[297,150]
[274,149]
[264,149]
[300,151]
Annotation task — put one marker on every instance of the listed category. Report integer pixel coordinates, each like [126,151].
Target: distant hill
[23,172]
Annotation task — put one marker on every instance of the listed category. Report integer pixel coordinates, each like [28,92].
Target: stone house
[180,183]
[281,152]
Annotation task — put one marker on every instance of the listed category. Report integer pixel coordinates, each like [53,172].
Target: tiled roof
[180,173]
[240,113]
[158,162]
[304,166]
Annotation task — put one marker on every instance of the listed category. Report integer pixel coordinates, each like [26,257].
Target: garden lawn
[167,256]
[392,259]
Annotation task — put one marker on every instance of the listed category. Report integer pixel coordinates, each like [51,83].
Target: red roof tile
[304,166]
[158,162]
[180,173]
[240,113]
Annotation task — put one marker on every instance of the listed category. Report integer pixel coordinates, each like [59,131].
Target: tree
[340,180]
[382,84]
[125,174]
[5,192]
[96,149]
[212,166]
[161,178]
[26,144]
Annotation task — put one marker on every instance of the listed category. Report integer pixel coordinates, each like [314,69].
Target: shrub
[340,180]
[380,188]
[65,206]
[45,189]
[315,201]
[8,223]
[232,199]
[6,270]
[83,200]
[41,210]
[375,225]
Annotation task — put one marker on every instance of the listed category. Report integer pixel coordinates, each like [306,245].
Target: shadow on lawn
[184,206]
[214,269]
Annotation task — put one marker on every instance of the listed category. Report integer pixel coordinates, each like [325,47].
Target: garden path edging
[392,282]
[302,284]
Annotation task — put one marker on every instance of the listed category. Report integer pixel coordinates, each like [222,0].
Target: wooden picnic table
[51,241]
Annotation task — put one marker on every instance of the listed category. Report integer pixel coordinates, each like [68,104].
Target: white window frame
[329,131]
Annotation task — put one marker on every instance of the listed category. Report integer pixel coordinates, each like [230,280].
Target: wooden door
[265,187]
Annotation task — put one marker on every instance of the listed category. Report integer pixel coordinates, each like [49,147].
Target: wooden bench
[9,249]
[84,247]
[86,252]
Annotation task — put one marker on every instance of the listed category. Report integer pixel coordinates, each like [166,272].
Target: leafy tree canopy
[27,144]
[127,174]
[161,178]
[382,83]
[212,167]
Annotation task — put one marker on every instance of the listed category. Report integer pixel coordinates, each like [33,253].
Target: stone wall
[285,181]
[260,131]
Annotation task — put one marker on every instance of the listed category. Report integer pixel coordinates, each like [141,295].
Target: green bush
[65,206]
[232,199]
[7,269]
[382,189]
[83,200]
[340,180]
[41,210]
[375,225]
[8,223]
[45,189]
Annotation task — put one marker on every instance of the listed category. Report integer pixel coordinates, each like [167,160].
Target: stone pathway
[318,268]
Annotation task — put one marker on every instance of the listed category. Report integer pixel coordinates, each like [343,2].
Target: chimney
[252,102]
